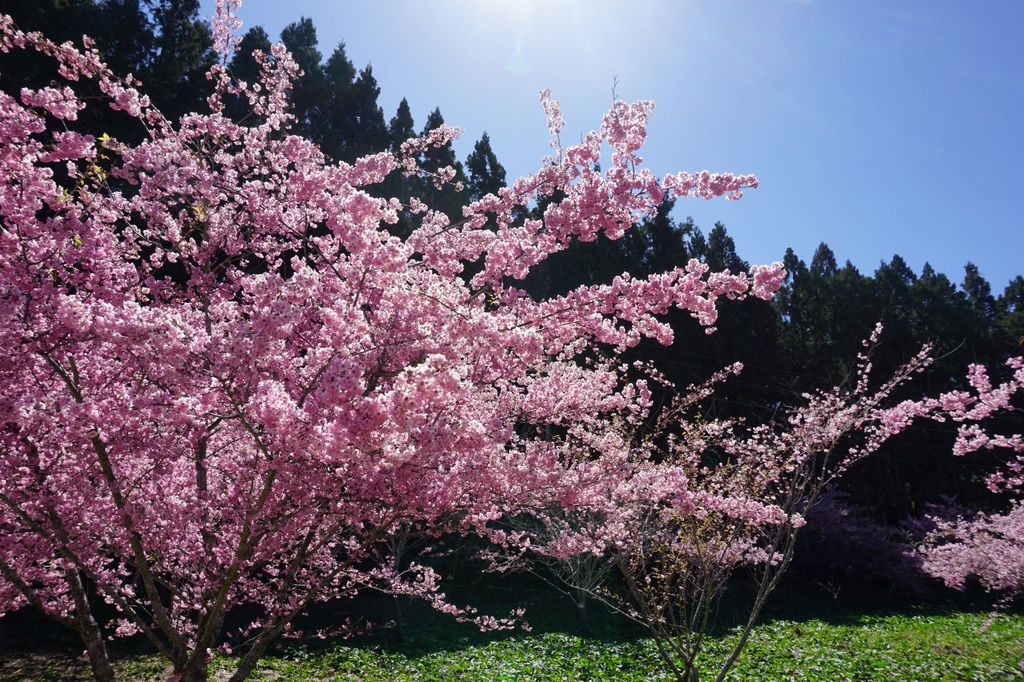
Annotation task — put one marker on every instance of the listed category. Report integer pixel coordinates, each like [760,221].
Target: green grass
[895,647]
[815,641]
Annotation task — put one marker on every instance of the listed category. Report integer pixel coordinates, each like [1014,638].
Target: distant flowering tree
[695,499]
[224,382]
[988,547]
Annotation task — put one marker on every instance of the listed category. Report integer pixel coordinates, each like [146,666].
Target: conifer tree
[183,55]
[721,253]
[401,127]
[449,198]
[336,129]
[1010,308]
[485,175]
[127,42]
[309,90]
[824,261]
[368,117]
[243,65]
[979,291]
[665,241]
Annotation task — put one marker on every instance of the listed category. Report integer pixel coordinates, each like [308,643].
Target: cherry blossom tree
[697,499]
[988,547]
[985,546]
[225,382]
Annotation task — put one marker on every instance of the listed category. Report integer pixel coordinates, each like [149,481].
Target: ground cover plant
[802,637]
[232,392]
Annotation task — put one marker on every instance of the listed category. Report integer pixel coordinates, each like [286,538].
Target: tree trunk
[102,671]
[89,630]
[399,623]
[249,661]
[193,671]
[584,611]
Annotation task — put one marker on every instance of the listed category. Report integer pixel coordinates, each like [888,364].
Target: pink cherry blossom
[226,383]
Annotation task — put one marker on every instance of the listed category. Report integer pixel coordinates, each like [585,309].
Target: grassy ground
[816,641]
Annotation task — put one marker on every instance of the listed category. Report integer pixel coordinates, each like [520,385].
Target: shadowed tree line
[806,338]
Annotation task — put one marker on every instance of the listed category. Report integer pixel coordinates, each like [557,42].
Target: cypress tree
[485,174]
[183,55]
[309,90]
[371,131]
[401,127]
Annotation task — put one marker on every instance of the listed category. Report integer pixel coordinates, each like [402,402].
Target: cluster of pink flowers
[987,547]
[61,104]
[983,547]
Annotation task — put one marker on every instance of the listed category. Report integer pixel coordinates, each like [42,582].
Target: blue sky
[877,127]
